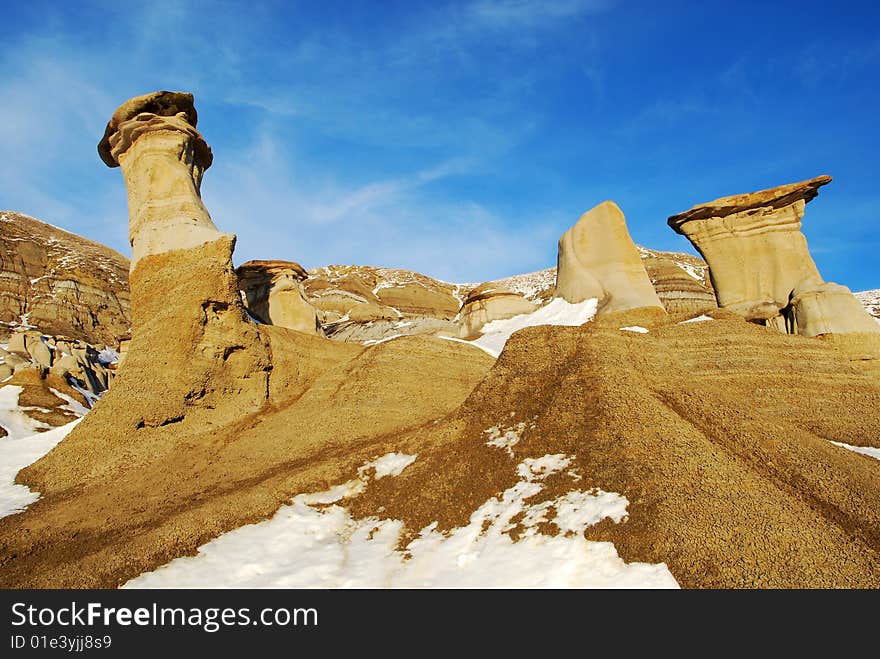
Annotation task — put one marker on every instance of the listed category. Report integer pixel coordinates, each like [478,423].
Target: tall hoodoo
[598,259]
[186,308]
[153,138]
[760,264]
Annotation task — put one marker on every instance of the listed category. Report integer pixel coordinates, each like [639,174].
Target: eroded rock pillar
[760,264]
[153,138]
[193,351]
[598,259]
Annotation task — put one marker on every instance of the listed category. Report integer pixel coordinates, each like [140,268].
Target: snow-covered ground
[24,444]
[13,419]
[557,312]
[314,542]
[16,453]
[871,302]
[530,284]
[870,451]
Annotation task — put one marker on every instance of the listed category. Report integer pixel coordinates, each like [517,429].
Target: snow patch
[698,319]
[635,328]
[488,351]
[73,405]
[692,270]
[13,420]
[303,545]
[375,342]
[16,453]
[870,451]
[505,439]
[108,356]
[557,312]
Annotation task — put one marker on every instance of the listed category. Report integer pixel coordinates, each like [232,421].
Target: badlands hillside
[628,418]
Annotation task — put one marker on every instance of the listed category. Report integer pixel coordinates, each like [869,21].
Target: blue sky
[459,139]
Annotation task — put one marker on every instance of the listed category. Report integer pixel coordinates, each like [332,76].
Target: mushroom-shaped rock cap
[161,103]
[487,290]
[271,269]
[777,197]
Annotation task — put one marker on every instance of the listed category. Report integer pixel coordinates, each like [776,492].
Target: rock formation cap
[777,197]
[271,268]
[162,104]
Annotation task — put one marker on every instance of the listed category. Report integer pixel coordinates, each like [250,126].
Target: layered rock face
[274,295]
[490,302]
[60,283]
[761,267]
[598,259]
[682,281]
[364,304]
[871,301]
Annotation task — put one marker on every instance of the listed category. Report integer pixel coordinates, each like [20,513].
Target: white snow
[530,284]
[390,464]
[635,328]
[13,420]
[870,451]
[16,453]
[73,405]
[556,312]
[108,356]
[871,301]
[505,438]
[374,342]
[305,545]
[488,351]
[692,270]
[88,395]
[698,319]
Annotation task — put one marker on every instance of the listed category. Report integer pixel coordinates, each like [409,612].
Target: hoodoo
[274,294]
[598,259]
[760,264]
[163,158]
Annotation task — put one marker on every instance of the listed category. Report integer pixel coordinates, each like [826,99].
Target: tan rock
[39,351]
[12,359]
[68,365]
[681,281]
[61,283]
[760,264]
[274,294]
[829,309]
[598,259]
[490,302]
[17,344]
[163,158]
[365,312]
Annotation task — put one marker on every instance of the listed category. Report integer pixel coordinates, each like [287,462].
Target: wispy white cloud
[280,196]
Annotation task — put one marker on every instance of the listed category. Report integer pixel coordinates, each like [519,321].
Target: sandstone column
[598,259]
[760,264]
[163,157]
[193,352]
